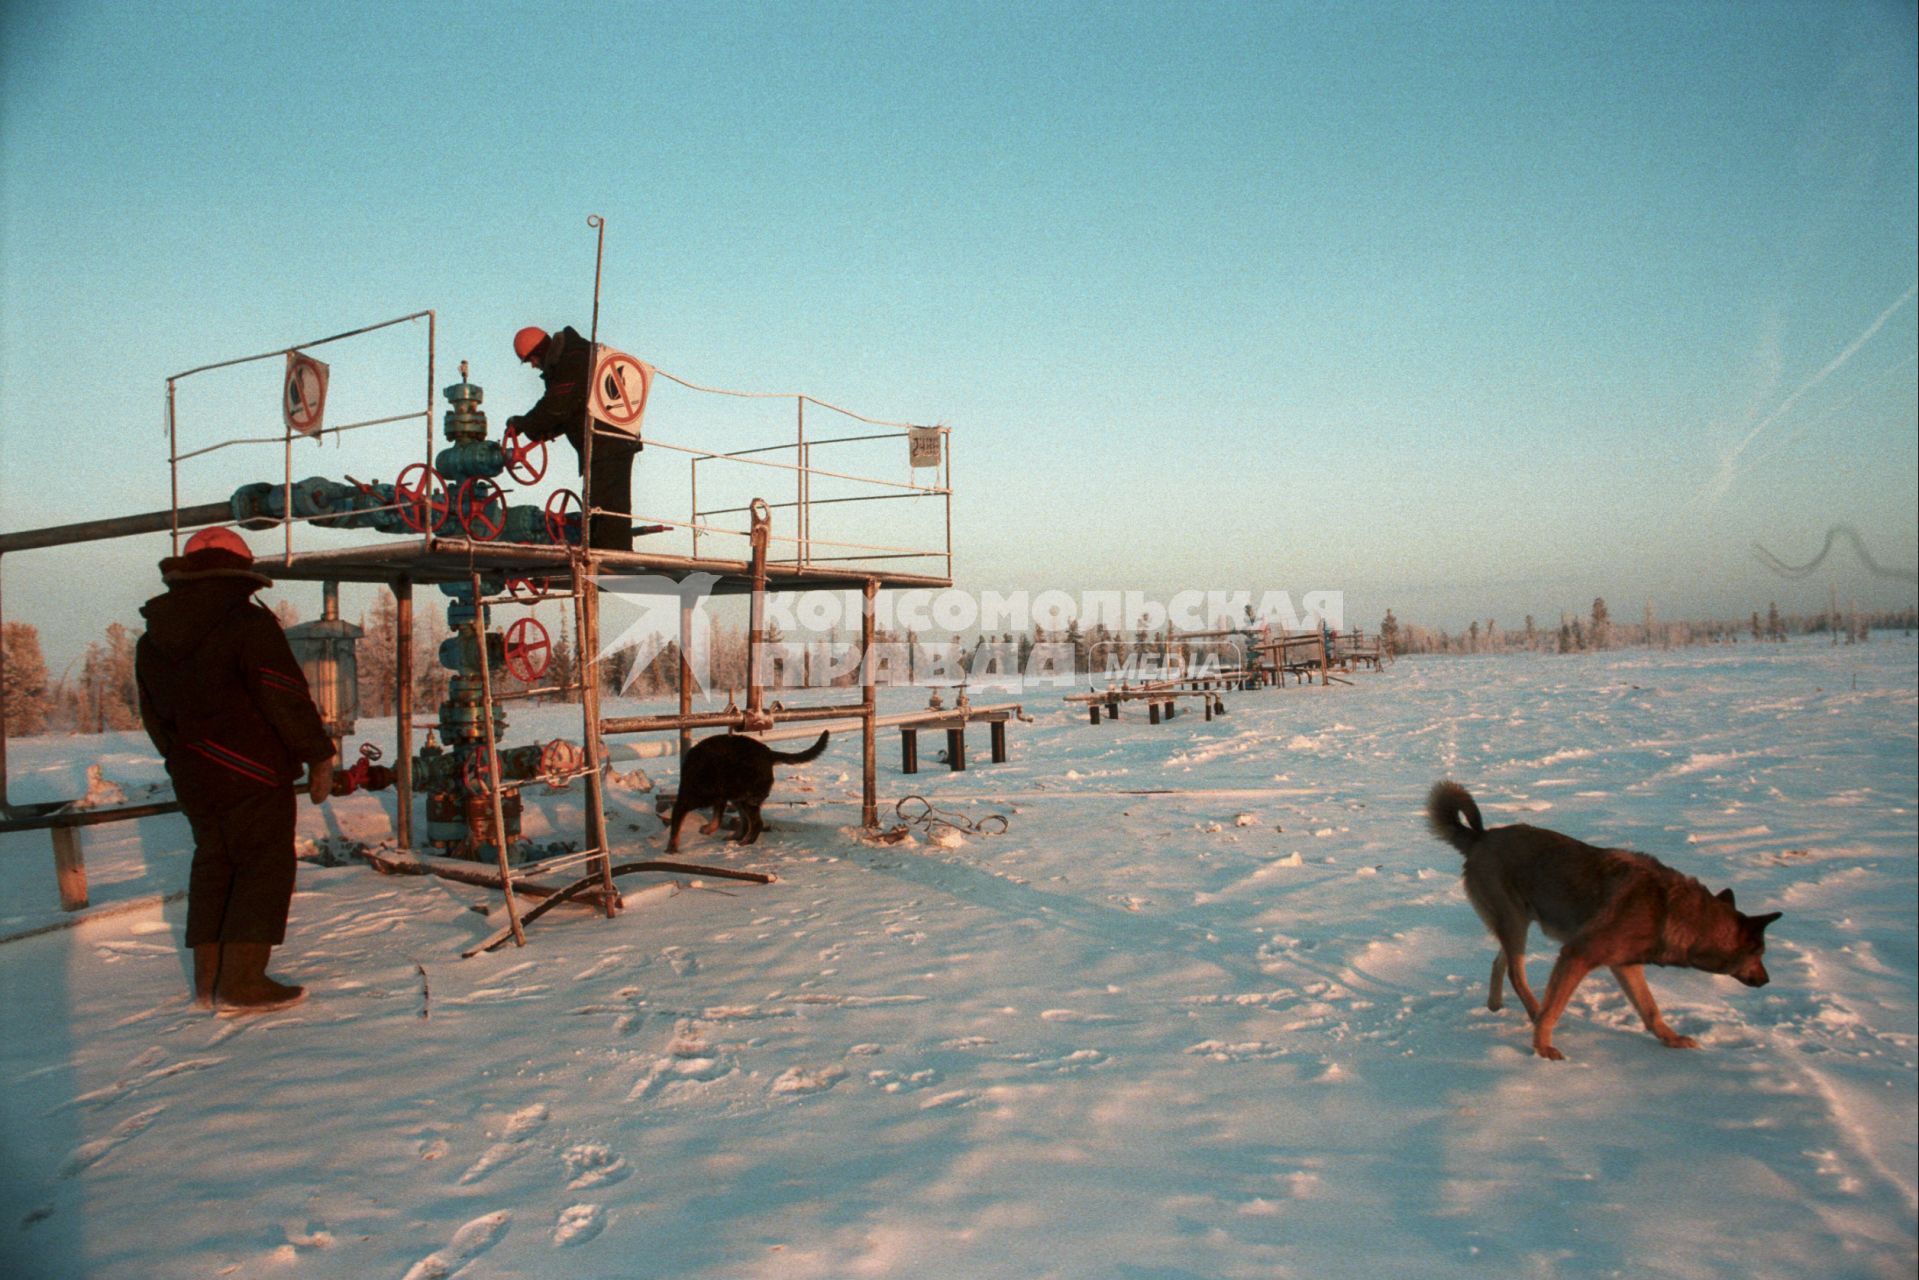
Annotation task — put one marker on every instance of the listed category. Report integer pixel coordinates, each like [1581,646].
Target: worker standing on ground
[228,707]
[564,360]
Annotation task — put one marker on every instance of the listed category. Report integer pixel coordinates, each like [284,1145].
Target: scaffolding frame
[400,563]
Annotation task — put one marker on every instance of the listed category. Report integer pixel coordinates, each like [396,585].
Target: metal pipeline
[731,719]
[61,535]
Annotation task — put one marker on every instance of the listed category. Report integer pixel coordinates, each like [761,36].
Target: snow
[1231,1028]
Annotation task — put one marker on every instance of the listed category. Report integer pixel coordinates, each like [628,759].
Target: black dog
[730,769]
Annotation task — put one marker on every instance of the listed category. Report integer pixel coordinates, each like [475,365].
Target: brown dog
[1608,907]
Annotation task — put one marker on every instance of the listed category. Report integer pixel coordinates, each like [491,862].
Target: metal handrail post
[493,763]
[587,605]
[173,464]
[756,626]
[869,728]
[686,674]
[426,535]
[586,585]
[799,477]
[403,710]
[286,511]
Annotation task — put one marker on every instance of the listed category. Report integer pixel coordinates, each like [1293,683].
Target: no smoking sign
[303,398]
[620,386]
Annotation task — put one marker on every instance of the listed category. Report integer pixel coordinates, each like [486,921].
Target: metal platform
[436,560]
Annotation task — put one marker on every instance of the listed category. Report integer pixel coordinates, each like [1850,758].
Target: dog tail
[1447,804]
[812,752]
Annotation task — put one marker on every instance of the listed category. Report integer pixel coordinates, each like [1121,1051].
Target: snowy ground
[1233,1027]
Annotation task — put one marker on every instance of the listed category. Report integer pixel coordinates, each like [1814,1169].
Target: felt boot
[244,986]
[206,968]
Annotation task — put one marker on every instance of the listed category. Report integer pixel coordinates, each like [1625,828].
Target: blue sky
[1465,310]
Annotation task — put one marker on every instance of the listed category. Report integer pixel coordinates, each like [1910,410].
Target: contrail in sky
[1730,466]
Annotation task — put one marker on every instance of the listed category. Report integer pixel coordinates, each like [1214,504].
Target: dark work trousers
[613,491]
[242,878]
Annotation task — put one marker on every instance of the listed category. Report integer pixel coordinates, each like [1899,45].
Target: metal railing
[287,518]
[803,541]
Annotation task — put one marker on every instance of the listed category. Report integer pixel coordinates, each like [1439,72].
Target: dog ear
[1760,922]
[1725,896]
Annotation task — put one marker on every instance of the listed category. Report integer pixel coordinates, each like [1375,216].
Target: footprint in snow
[112,951]
[1245,1051]
[909,1082]
[684,962]
[691,1060]
[88,1154]
[800,1080]
[468,1243]
[232,1027]
[614,958]
[520,1126]
[951,1098]
[313,1235]
[578,1224]
[1075,1016]
[498,995]
[129,1082]
[592,1164]
[173,1069]
[1066,1064]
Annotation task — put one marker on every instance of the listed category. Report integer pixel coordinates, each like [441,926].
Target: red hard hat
[527,341]
[218,538]
[213,553]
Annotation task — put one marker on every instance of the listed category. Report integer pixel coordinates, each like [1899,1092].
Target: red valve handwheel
[559,518]
[529,651]
[530,590]
[481,508]
[477,773]
[525,459]
[422,498]
[559,756]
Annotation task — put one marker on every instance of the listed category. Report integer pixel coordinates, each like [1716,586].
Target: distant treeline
[1599,629]
[97,692]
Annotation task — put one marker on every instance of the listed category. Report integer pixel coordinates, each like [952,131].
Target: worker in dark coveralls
[228,706]
[564,360]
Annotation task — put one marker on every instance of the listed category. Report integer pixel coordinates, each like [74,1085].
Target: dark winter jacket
[564,367]
[221,695]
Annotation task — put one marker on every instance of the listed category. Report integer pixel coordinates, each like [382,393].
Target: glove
[320,780]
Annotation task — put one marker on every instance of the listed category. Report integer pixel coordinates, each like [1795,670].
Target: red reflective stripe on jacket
[281,680]
[231,759]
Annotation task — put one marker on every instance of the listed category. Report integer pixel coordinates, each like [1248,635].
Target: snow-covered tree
[28,700]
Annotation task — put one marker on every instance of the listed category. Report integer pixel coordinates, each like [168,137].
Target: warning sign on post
[923,446]
[303,399]
[620,385]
